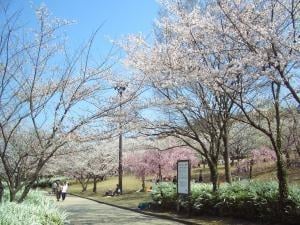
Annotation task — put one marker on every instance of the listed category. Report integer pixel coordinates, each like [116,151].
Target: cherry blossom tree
[159,163]
[48,95]
[247,51]
[102,163]
[76,168]
[195,111]
[163,153]
[185,120]
[267,36]
[136,163]
[86,162]
[268,32]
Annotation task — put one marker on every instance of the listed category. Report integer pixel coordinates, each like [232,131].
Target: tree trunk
[159,173]
[226,155]
[25,193]
[12,195]
[143,185]
[277,144]
[84,184]
[26,190]
[200,178]
[227,167]
[282,180]
[84,187]
[214,175]
[298,149]
[1,190]
[95,184]
[250,170]
[288,158]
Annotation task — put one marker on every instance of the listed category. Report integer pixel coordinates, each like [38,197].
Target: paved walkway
[82,211]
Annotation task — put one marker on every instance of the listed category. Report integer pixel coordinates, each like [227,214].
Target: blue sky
[120,17]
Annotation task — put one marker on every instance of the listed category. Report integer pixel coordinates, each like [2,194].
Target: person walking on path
[64,191]
[58,191]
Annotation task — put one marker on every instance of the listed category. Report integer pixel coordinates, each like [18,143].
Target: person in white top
[64,191]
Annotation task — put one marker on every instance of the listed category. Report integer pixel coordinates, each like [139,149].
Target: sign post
[183,181]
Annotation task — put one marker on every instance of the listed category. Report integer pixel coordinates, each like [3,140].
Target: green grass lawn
[130,198]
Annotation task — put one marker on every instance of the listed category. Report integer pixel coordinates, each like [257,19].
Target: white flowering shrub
[37,209]
[165,195]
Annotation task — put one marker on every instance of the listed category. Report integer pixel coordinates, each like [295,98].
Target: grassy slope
[270,174]
[263,172]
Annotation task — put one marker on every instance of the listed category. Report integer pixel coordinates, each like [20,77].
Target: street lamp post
[120,90]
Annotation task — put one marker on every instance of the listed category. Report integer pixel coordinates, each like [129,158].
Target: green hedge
[247,199]
[37,209]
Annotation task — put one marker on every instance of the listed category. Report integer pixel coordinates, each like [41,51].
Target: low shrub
[203,199]
[244,199]
[35,210]
[165,195]
[250,200]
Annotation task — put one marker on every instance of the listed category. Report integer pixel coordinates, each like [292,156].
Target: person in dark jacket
[58,190]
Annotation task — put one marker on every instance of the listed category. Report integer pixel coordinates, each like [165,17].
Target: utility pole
[120,90]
